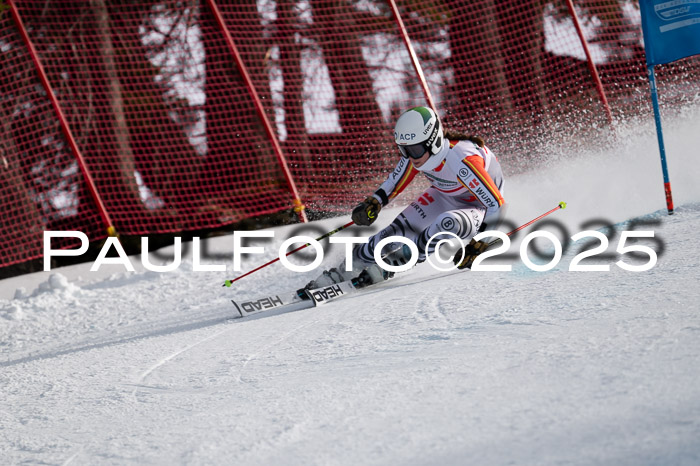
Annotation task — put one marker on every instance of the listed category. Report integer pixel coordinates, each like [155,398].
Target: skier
[466,190]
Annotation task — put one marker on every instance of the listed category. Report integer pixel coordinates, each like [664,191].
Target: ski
[293,302]
[325,294]
[288,301]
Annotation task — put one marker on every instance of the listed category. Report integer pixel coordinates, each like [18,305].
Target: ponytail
[452,135]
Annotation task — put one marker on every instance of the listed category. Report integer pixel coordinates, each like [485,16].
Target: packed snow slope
[518,367]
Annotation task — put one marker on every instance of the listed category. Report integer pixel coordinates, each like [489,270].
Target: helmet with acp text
[418,130]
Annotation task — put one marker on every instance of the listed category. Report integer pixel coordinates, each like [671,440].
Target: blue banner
[671,29]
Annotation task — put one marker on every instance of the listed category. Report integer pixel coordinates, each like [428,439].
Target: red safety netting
[41,187]
[169,125]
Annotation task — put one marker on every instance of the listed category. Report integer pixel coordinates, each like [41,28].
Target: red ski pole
[562,205]
[229,282]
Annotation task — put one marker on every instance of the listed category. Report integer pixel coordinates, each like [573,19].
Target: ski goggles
[414,151]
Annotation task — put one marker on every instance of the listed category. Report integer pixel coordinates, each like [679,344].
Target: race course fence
[143,117]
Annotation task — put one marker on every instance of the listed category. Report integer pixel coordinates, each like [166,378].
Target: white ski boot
[362,274]
[372,274]
[332,276]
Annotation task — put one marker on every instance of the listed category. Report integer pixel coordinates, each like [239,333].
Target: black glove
[470,251]
[366,211]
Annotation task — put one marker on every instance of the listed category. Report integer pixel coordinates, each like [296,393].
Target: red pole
[412,53]
[298,206]
[111,231]
[589,58]
[561,205]
[229,282]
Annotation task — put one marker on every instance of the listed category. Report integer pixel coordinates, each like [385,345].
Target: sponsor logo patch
[447,224]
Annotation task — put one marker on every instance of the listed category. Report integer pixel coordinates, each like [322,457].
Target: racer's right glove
[366,211]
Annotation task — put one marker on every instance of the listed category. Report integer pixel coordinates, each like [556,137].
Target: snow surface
[516,367]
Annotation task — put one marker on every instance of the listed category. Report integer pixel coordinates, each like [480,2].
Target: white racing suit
[467,187]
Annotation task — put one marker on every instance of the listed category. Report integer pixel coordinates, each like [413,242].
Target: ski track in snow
[164,360]
[522,367]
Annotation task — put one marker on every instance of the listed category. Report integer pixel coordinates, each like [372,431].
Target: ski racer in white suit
[466,191]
